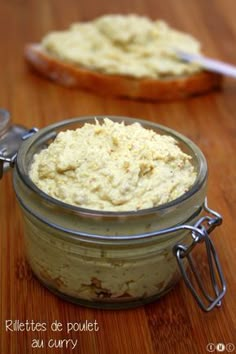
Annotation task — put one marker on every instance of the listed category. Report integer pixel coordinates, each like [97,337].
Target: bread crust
[74,76]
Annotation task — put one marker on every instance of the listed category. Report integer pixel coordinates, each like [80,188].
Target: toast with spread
[122,55]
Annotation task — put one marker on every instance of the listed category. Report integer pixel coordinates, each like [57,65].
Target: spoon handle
[208,63]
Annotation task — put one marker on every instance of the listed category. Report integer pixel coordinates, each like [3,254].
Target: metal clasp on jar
[11,137]
[200,234]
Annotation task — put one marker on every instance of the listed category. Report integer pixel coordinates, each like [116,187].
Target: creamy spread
[100,272]
[128,45]
[113,167]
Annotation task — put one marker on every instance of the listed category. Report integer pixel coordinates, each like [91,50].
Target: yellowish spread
[127,45]
[113,167]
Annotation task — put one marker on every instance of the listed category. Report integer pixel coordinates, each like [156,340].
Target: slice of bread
[71,75]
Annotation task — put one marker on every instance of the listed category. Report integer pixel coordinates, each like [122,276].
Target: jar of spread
[108,258]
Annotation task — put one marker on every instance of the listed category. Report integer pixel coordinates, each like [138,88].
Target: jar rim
[48,131]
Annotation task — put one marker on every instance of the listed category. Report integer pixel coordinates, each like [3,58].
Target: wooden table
[175,324]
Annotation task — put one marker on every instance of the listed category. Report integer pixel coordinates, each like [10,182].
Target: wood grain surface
[174,324]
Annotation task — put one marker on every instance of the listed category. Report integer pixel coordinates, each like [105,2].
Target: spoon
[208,63]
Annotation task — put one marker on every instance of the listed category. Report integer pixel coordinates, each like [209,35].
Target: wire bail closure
[11,137]
[200,234]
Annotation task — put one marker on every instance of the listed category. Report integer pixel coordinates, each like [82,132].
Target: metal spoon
[208,63]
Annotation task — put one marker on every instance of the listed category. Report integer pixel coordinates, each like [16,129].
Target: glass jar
[111,259]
